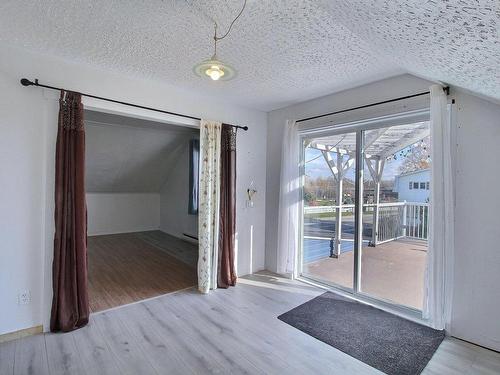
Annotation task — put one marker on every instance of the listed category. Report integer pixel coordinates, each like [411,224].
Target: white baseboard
[123,231]
[180,236]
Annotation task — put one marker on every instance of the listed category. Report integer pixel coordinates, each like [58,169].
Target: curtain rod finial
[245,128]
[26,82]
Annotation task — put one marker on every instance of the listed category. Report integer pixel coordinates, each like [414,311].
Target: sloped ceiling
[130,155]
[285,51]
[454,41]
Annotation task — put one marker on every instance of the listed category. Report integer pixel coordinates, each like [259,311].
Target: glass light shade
[214,69]
[214,72]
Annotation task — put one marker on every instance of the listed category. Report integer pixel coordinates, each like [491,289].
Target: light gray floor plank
[234,329]
[7,357]
[210,357]
[168,328]
[93,351]
[231,331]
[128,353]
[31,356]
[166,356]
[215,334]
[62,354]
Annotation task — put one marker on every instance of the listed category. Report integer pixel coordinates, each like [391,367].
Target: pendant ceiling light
[213,68]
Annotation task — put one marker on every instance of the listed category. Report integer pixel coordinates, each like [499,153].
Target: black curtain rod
[446,89]
[27,82]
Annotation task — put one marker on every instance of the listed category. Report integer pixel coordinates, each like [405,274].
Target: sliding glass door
[329,201]
[366,211]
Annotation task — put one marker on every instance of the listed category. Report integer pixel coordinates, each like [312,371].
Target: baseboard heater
[188,235]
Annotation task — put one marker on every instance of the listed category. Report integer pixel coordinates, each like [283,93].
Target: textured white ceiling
[130,155]
[284,51]
[455,41]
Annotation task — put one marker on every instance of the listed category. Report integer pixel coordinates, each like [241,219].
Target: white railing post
[405,211]
[338,222]
[375,229]
[417,226]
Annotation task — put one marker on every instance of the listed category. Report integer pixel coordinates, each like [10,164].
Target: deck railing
[417,220]
[390,222]
[395,219]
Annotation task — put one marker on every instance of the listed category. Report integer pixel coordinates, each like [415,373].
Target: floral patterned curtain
[208,215]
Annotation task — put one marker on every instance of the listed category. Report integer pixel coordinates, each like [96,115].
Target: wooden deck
[393,271]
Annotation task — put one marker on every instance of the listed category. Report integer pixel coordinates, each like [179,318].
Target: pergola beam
[324,147]
[405,141]
[373,136]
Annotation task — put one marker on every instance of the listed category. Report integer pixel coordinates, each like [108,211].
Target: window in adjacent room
[194,166]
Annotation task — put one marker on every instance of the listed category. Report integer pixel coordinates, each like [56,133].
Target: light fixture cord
[230,26]
[215,40]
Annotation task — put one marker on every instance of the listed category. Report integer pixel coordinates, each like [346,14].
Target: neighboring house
[413,186]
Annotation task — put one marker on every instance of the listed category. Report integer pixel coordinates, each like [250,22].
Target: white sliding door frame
[358,127]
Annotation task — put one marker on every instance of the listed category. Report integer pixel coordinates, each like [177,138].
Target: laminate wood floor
[185,251]
[126,268]
[229,331]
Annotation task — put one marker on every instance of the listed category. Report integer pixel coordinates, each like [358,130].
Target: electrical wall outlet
[24,297]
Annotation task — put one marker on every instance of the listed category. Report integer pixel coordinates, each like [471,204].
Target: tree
[309,197]
[416,156]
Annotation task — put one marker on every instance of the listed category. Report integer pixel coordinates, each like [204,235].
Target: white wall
[22,182]
[110,213]
[174,217]
[476,303]
[28,123]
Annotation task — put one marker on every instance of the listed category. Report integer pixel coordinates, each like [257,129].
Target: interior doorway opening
[141,193]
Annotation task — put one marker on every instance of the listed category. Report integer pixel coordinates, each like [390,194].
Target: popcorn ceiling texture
[455,41]
[284,51]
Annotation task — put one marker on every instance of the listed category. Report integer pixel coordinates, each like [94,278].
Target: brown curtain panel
[70,304]
[226,275]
